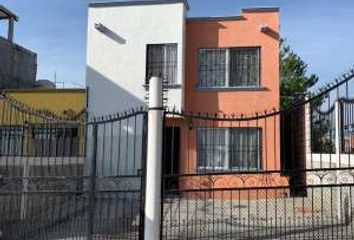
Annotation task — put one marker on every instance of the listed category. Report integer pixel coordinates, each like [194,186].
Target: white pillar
[154,161]
[309,161]
[339,163]
[338,130]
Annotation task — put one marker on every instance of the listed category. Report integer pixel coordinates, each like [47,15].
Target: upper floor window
[234,67]
[162,62]
[229,148]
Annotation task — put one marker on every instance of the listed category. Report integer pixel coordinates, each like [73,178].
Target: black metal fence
[66,179]
[273,175]
[116,188]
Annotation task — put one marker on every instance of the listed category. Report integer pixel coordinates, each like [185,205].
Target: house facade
[210,65]
[122,37]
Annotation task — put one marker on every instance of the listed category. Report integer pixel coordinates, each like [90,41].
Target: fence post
[92,197]
[24,194]
[338,142]
[338,135]
[152,218]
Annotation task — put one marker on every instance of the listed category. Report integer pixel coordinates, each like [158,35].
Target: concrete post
[10,30]
[309,163]
[338,142]
[154,161]
[338,132]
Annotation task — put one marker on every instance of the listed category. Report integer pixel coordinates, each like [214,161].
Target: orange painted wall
[230,34]
[234,33]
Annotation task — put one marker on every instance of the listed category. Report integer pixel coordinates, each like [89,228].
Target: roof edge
[260,9]
[8,13]
[136,3]
[15,45]
[45,90]
[221,18]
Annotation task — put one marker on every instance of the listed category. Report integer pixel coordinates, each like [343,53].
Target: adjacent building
[32,122]
[18,65]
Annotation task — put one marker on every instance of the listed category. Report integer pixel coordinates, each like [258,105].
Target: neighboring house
[210,64]
[41,134]
[24,132]
[18,65]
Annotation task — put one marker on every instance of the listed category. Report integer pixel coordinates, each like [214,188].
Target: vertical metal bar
[164,178]
[24,190]
[143,177]
[92,184]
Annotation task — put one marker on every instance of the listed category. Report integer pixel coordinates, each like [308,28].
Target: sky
[320,31]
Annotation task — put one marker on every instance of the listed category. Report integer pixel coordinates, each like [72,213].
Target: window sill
[168,86]
[226,170]
[231,89]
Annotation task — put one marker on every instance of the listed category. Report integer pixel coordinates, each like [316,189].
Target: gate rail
[279,174]
[59,178]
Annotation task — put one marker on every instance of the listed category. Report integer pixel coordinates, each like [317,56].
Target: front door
[171,157]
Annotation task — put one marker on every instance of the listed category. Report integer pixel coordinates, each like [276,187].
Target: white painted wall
[116,61]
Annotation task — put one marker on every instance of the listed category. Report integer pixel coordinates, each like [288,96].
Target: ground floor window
[229,149]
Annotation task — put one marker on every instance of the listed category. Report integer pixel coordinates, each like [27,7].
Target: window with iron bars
[229,67]
[222,149]
[162,62]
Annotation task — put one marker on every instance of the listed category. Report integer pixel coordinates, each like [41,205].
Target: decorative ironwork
[302,189]
[295,192]
[64,178]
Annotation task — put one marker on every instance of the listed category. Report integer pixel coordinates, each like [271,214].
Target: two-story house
[226,65]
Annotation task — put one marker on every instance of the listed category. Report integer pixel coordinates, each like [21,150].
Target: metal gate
[67,179]
[272,175]
[116,186]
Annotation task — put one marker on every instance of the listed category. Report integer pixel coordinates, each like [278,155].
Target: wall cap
[217,18]
[137,3]
[260,9]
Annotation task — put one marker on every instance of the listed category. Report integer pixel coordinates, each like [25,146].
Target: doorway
[171,157]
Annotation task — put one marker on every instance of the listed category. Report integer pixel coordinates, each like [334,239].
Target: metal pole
[24,190]
[92,189]
[154,161]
